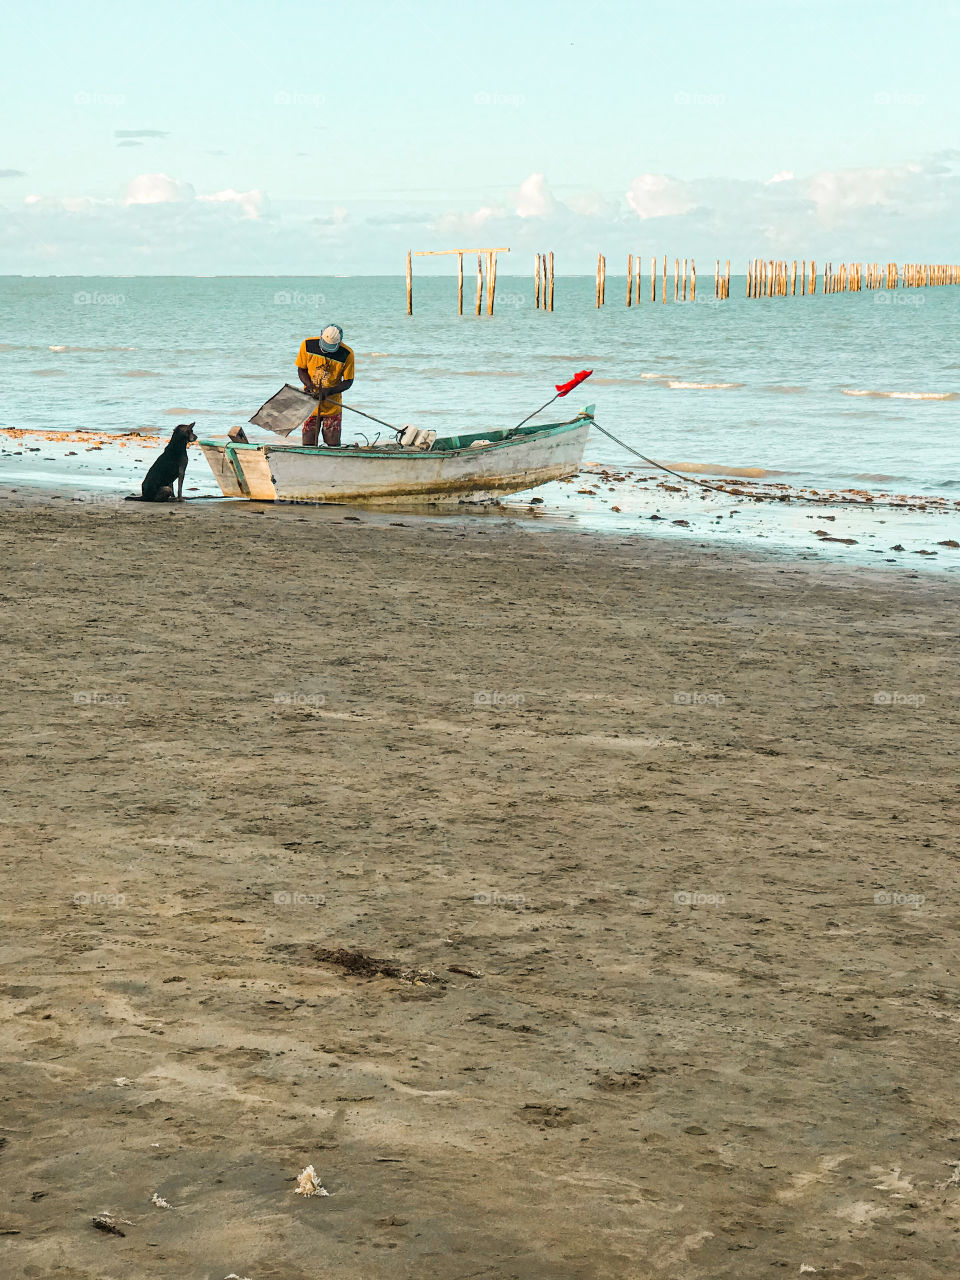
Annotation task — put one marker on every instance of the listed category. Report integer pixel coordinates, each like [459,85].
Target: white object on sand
[159,1201]
[308,1184]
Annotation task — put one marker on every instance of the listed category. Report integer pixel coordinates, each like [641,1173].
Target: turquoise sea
[848,390]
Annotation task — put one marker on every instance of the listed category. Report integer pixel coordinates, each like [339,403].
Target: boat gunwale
[585,416]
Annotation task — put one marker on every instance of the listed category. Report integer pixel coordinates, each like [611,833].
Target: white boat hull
[291,473]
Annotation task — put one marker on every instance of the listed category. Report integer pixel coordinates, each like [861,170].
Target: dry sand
[243,751]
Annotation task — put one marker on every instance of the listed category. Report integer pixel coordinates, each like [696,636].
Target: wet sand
[571,903]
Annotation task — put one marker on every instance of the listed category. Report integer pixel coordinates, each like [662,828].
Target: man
[325,367]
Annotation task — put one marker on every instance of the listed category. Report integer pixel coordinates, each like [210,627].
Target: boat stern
[241,470]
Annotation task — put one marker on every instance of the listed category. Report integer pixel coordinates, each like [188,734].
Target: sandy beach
[580,907]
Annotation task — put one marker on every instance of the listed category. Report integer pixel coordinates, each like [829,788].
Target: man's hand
[306,381]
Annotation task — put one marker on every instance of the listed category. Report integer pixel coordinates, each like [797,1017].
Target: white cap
[331,338]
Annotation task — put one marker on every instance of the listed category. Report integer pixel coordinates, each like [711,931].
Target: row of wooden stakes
[765,278]
[721,280]
[775,279]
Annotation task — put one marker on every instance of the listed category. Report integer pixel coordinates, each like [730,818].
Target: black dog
[171,465]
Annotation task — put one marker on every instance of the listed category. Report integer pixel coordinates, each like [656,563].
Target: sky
[282,138]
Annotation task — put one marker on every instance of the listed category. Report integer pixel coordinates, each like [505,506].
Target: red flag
[566,387]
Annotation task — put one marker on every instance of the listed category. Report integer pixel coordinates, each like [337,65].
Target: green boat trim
[443,444]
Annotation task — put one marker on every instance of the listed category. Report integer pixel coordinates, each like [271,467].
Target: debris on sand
[462,968]
[159,1201]
[308,1184]
[364,966]
[110,1224]
[622,1081]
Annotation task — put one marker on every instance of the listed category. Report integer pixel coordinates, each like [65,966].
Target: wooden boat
[468,468]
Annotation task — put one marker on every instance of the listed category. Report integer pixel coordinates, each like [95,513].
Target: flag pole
[563,389]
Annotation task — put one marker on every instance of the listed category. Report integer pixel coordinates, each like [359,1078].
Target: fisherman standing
[325,367]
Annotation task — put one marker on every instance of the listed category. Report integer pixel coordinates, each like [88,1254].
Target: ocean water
[849,390]
[822,389]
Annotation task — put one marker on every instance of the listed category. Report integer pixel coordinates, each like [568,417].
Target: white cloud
[908,211]
[157,188]
[465,224]
[654,195]
[249,201]
[836,193]
[784,175]
[535,199]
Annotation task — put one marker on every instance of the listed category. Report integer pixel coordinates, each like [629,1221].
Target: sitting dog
[171,465]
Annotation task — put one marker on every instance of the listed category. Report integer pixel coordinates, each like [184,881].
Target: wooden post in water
[459,284]
[491,280]
[726,281]
[551,280]
[603,279]
[693,281]
[536,290]
[653,279]
[479,282]
[639,273]
[684,294]
[716,279]
[597,303]
[629,279]
[676,279]
[409,282]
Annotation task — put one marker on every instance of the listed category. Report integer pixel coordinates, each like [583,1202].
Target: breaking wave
[703,386]
[904,395]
